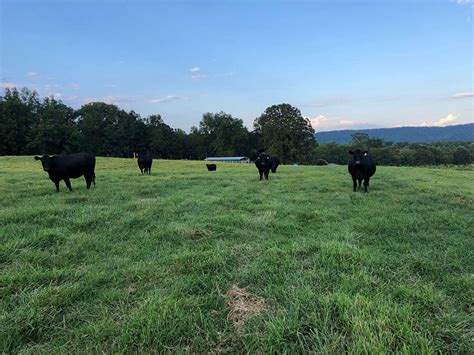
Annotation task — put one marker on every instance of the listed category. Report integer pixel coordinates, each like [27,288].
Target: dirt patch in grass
[243,305]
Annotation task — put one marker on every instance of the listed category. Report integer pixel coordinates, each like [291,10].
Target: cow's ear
[37,158]
[351,152]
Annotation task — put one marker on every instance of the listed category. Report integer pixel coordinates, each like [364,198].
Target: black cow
[144,162]
[275,163]
[361,167]
[263,164]
[65,167]
[211,167]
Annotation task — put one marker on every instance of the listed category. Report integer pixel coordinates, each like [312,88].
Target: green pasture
[147,263]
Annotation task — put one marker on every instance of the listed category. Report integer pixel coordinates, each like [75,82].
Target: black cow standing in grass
[263,164]
[211,167]
[361,167]
[275,163]
[144,162]
[65,167]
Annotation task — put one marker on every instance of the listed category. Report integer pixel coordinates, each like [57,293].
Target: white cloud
[32,74]
[464,2]
[318,121]
[70,98]
[199,76]
[323,123]
[168,98]
[7,85]
[75,86]
[195,69]
[462,95]
[110,99]
[48,87]
[450,119]
[56,95]
[61,96]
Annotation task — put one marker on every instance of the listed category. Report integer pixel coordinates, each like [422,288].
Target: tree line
[400,154]
[30,125]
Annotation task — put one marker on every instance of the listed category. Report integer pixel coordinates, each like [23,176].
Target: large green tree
[163,141]
[219,134]
[18,120]
[55,131]
[94,121]
[461,156]
[108,130]
[283,131]
[225,135]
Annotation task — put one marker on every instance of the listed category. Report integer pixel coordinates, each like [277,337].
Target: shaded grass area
[144,263]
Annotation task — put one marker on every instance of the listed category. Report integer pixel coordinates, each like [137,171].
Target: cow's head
[264,159]
[358,155]
[46,161]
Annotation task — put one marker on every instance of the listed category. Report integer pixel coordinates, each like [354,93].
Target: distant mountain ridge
[461,132]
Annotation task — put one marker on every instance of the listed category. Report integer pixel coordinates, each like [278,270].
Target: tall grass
[145,263]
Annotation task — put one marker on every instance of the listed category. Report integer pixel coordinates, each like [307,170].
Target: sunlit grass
[144,263]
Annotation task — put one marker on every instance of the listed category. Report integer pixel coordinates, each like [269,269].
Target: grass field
[187,260]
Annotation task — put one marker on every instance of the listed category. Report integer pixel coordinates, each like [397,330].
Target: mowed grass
[145,263]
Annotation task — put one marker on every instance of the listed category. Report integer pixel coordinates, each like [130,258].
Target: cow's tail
[93,177]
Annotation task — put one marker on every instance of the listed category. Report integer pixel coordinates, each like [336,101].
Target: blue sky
[344,64]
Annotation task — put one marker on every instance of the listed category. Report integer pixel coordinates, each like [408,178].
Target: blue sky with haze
[344,64]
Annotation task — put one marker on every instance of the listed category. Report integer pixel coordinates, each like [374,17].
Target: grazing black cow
[211,167]
[275,163]
[263,164]
[65,167]
[144,162]
[361,167]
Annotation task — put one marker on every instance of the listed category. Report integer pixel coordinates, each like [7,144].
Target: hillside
[464,132]
[185,260]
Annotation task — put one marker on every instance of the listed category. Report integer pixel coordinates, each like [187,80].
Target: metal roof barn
[229,159]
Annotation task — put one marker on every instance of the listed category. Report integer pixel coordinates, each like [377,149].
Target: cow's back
[145,160]
[74,165]
[369,165]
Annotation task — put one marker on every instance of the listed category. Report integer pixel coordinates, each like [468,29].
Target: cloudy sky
[345,64]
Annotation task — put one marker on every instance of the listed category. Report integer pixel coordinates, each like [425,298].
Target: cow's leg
[366,184]
[360,182]
[354,183]
[93,177]
[149,170]
[266,174]
[141,170]
[57,185]
[260,172]
[68,184]
[88,180]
